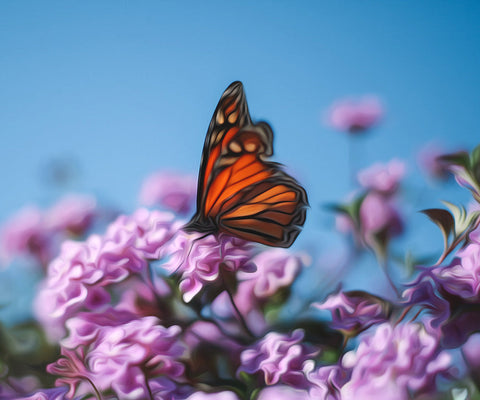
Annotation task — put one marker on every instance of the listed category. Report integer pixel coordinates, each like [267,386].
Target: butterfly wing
[239,192]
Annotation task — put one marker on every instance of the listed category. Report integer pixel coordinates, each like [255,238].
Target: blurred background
[95,96]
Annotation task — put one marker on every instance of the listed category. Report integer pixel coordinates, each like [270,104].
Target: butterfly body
[240,192]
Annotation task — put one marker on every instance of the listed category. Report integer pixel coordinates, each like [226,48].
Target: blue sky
[126,88]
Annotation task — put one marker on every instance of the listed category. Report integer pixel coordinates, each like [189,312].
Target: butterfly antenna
[190,248]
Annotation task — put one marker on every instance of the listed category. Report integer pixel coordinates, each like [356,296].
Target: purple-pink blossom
[429,160]
[37,233]
[45,394]
[440,294]
[379,215]
[471,355]
[462,276]
[221,395]
[355,115]
[73,213]
[174,191]
[382,178]
[200,261]
[284,392]
[424,292]
[278,358]
[378,218]
[355,311]
[325,381]
[117,351]
[276,269]
[80,277]
[25,233]
[396,361]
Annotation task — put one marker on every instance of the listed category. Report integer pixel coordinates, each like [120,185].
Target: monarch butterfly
[239,192]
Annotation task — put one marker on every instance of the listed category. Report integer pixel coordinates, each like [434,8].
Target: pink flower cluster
[173,191]
[117,351]
[353,312]
[378,217]
[451,294]
[396,361]
[79,278]
[278,358]
[200,261]
[36,233]
[355,115]
[276,269]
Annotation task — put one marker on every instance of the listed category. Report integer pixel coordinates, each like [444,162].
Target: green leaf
[463,219]
[444,220]
[475,163]
[460,158]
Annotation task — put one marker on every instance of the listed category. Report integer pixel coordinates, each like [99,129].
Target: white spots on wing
[235,147]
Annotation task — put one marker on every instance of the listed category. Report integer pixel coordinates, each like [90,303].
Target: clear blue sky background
[126,88]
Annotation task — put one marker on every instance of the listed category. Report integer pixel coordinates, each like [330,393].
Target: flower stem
[97,393]
[232,301]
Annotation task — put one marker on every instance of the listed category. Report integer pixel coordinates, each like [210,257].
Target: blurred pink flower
[379,215]
[223,395]
[471,354]
[45,394]
[72,213]
[173,191]
[383,178]
[378,219]
[355,115]
[204,332]
[396,361]
[429,161]
[26,233]
[276,269]
[36,233]
[284,392]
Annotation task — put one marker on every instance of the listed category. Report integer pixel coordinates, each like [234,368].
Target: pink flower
[278,358]
[429,160]
[355,115]
[223,395]
[355,311]
[119,352]
[471,355]
[462,276]
[26,234]
[326,381]
[284,392]
[73,213]
[383,178]
[378,215]
[46,394]
[37,234]
[202,333]
[276,269]
[175,192]
[397,362]
[81,276]
[200,260]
